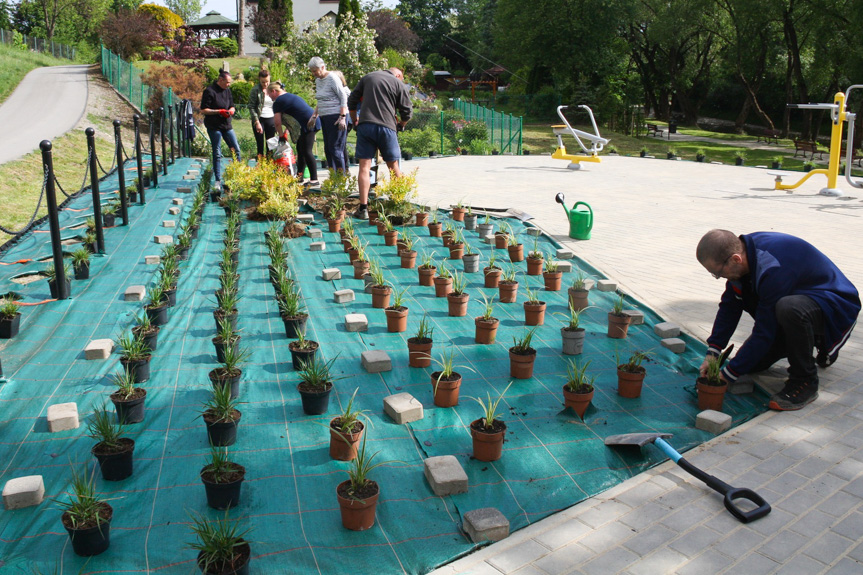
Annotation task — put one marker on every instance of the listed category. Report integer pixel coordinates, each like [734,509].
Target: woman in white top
[261,112]
[333,109]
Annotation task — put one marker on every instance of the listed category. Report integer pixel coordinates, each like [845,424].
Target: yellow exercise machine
[838,115]
[597,142]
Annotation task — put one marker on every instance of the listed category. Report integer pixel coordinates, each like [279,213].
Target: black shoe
[824,360]
[361,214]
[795,395]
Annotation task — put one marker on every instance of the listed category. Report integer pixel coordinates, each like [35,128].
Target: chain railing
[56,49]
[504,130]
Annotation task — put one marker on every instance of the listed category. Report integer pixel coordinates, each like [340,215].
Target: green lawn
[15,64]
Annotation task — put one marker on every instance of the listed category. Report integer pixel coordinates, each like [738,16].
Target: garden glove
[224,113]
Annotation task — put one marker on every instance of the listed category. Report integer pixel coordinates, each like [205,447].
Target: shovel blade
[639,439]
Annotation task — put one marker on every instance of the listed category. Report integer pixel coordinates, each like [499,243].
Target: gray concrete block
[306,217]
[666,329]
[488,239]
[375,361]
[184,190]
[564,254]
[23,492]
[317,246]
[486,524]
[315,233]
[152,260]
[445,475]
[188,177]
[194,166]
[62,416]
[193,172]
[563,266]
[403,408]
[99,349]
[163,239]
[368,288]
[535,232]
[175,211]
[134,293]
[344,296]
[169,223]
[714,422]
[589,284]
[356,322]
[302,202]
[177,201]
[675,344]
[606,285]
[637,316]
[331,274]
[743,384]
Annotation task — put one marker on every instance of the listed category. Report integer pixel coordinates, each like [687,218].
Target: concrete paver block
[331,274]
[714,422]
[486,524]
[675,344]
[317,246]
[315,233]
[375,361]
[368,288]
[134,293]
[344,295]
[356,322]
[403,408]
[302,202]
[163,239]
[62,416]
[535,232]
[99,349]
[177,201]
[637,316]
[152,260]
[666,329]
[743,384]
[563,266]
[306,217]
[184,190]
[188,177]
[169,223]
[174,211]
[564,254]
[606,285]
[23,492]
[488,239]
[445,475]
[191,172]
[589,284]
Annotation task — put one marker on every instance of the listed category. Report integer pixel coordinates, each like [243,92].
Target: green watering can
[580,221]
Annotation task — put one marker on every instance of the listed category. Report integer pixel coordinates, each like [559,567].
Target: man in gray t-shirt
[381,94]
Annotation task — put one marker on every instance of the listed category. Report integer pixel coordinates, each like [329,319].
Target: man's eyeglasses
[721,268]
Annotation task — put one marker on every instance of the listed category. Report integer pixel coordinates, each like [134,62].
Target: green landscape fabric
[551,459]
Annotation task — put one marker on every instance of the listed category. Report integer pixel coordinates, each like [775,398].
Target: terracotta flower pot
[573,340]
[408,258]
[456,251]
[710,396]
[353,254]
[516,252]
[578,298]
[458,214]
[457,304]
[534,313]
[360,269]
[521,365]
[491,277]
[508,291]
[358,513]
[334,225]
[486,330]
[421,219]
[442,286]
[343,447]
[435,229]
[426,276]
[552,280]
[501,239]
[381,296]
[373,217]
[447,239]
[534,266]
[382,228]
[487,446]
[618,325]
[419,352]
[577,401]
[390,238]
[629,383]
[346,245]
[397,319]
[446,390]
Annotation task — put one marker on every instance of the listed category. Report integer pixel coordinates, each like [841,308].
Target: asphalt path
[46,104]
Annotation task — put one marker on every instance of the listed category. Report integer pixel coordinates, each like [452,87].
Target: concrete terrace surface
[649,216]
[46,104]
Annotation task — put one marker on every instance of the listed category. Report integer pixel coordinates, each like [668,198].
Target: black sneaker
[824,360]
[795,395]
[361,214]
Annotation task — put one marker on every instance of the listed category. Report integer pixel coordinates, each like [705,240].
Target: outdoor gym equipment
[838,115]
[597,142]
[580,222]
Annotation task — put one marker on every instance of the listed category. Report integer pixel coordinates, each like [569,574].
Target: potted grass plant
[86,517]
[302,351]
[222,479]
[334,220]
[10,318]
[618,322]
[456,246]
[397,313]
[229,373]
[458,211]
[52,279]
[457,299]
[420,345]
[435,227]
[135,356]
[407,255]
[552,276]
[90,242]
[699,155]
[361,262]
[488,431]
[777,162]
[522,356]
[225,338]
[81,263]
[572,334]
[421,216]
[221,547]
[446,382]
[358,496]
[291,311]
[631,374]
[381,290]
[578,390]
[671,153]
[346,430]
[515,249]
[128,400]
[470,259]
[491,272]
[113,451]
[221,416]
[485,228]
[644,151]
[711,388]
[739,157]
[427,269]
[534,310]
[508,286]
[535,258]
[226,306]
[443,282]
[156,307]
[501,237]
[316,383]
[146,331]
[470,219]
[448,234]
[486,324]
[578,293]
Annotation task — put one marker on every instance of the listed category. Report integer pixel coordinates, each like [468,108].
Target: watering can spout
[580,221]
[559,198]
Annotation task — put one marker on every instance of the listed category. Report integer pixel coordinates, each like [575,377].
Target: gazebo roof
[213,20]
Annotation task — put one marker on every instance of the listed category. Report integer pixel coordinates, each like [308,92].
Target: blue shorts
[374,137]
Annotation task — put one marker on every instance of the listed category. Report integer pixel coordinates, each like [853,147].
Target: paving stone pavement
[649,215]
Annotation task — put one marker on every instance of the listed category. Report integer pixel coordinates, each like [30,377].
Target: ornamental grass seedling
[221,405]
[83,507]
[489,408]
[125,382]
[132,348]
[104,430]
[488,307]
[425,330]
[577,380]
[522,344]
[316,372]
[219,464]
[217,541]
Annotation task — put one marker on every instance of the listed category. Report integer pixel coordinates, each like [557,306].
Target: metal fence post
[94,189]
[53,220]
[121,173]
[171,130]
[441,132]
[162,134]
[136,119]
[154,166]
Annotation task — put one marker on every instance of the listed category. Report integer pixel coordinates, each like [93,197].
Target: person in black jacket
[217,106]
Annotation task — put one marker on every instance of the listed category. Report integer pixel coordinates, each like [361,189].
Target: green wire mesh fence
[126,78]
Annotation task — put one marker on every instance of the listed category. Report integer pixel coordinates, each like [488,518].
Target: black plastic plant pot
[221,496]
[464,152]
[116,466]
[776,165]
[131,411]
[222,433]
[158,315]
[315,402]
[233,381]
[183,254]
[9,326]
[302,356]
[432,153]
[52,286]
[132,197]
[108,220]
[242,553]
[91,541]
[151,340]
[220,347]
[215,195]
[294,326]
[170,297]
[231,317]
[139,368]
[82,270]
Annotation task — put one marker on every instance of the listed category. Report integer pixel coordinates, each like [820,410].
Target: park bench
[855,157]
[807,146]
[767,135]
[653,129]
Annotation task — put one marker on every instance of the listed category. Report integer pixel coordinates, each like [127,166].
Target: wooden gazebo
[214,25]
